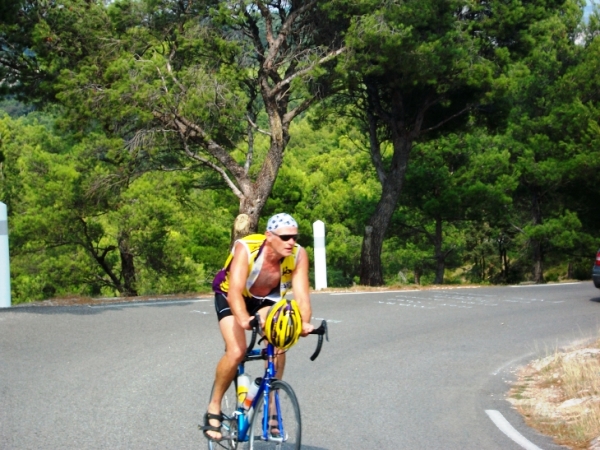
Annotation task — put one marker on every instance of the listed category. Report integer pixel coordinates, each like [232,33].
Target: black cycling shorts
[252,305]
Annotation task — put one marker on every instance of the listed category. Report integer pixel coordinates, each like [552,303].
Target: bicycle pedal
[277,439]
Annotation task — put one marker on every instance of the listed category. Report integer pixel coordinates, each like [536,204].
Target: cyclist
[258,272]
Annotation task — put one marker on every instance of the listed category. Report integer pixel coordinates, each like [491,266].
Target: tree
[80,223]
[39,39]
[416,69]
[551,121]
[451,181]
[191,84]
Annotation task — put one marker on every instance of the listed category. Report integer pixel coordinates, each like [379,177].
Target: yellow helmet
[284,324]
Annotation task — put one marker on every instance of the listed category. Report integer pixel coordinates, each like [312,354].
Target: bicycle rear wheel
[229,426]
[287,434]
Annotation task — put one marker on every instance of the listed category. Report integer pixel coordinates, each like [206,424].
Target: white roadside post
[320,261]
[4,259]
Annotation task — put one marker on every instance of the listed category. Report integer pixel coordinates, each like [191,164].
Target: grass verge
[560,396]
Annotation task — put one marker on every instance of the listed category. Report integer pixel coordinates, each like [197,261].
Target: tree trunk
[417,275]
[538,262]
[127,267]
[440,257]
[255,194]
[371,271]
[536,244]
[241,228]
[503,258]
[370,257]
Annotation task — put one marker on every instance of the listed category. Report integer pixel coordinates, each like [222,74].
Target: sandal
[208,427]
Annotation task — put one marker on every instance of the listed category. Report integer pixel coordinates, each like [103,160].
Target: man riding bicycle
[258,273]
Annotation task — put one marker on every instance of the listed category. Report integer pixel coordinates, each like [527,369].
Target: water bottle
[252,393]
[243,383]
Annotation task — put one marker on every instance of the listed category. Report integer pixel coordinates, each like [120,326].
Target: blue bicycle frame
[245,419]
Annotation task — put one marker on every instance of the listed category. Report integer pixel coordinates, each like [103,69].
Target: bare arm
[238,274]
[301,291]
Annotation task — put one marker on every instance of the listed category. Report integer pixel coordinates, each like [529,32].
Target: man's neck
[271,256]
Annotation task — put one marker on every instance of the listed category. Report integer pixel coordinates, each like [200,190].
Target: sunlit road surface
[403,370]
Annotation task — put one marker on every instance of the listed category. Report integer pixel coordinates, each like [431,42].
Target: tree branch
[448,119]
[170,70]
[290,115]
[210,164]
[281,85]
[192,131]
[375,147]
[275,44]
[260,130]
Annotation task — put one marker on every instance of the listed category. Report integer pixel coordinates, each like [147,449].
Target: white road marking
[542,285]
[149,303]
[374,292]
[452,300]
[511,362]
[504,426]
[327,320]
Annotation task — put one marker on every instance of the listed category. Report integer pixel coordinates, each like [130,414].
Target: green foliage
[74,218]
[107,193]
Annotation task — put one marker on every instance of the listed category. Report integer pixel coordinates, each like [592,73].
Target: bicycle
[275,400]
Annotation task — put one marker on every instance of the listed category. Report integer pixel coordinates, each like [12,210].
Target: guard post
[4,259]
[320,260]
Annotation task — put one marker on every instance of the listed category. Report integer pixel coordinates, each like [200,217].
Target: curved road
[403,370]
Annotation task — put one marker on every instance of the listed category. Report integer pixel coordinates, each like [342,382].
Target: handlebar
[322,330]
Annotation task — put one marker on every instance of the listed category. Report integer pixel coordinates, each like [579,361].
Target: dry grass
[560,396]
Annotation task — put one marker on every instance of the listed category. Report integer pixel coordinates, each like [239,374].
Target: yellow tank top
[254,244]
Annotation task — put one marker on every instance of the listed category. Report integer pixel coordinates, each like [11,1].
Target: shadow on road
[595,299]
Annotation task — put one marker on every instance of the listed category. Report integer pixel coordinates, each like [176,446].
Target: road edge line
[504,426]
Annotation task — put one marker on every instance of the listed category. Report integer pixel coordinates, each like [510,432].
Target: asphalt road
[403,370]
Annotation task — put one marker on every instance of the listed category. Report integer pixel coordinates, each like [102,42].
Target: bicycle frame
[245,418]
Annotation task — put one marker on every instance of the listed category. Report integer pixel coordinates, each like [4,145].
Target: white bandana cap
[281,220]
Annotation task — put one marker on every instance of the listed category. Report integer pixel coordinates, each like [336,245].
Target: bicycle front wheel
[284,428]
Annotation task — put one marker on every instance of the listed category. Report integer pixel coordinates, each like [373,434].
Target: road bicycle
[272,421]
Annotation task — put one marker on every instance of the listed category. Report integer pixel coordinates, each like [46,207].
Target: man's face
[283,239]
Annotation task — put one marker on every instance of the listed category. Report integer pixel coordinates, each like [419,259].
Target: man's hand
[245,322]
[306,328]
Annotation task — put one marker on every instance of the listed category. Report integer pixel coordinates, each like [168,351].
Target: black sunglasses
[287,237]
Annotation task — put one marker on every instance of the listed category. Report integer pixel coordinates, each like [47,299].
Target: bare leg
[279,367]
[279,363]
[235,350]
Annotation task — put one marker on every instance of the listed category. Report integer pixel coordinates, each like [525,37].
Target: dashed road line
[504,426]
